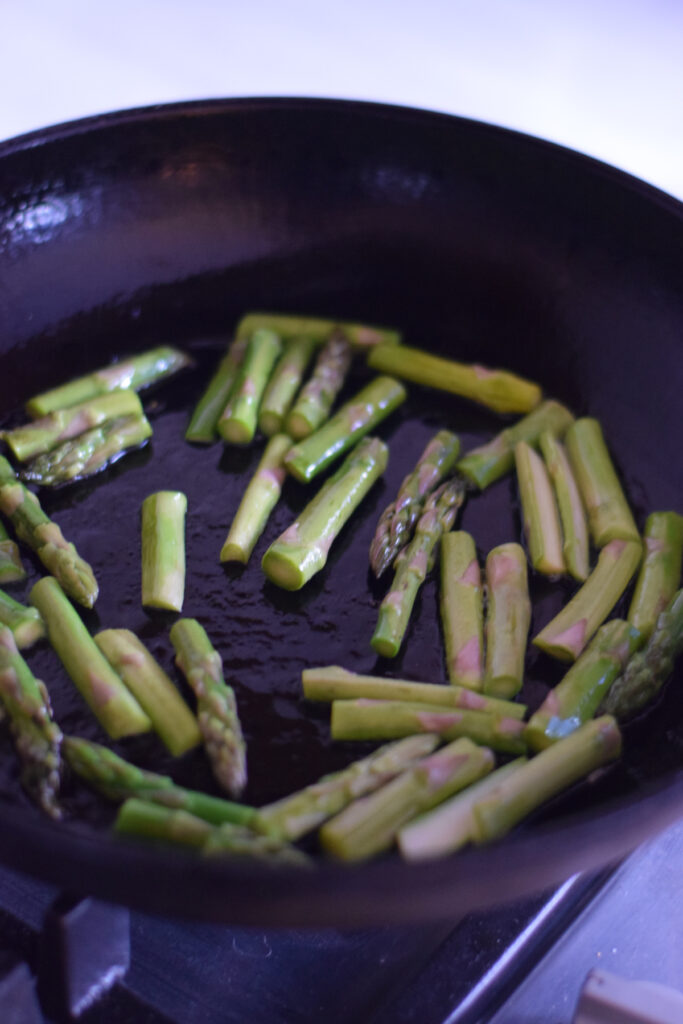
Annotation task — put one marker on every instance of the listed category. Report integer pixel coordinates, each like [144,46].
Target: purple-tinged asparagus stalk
[11,566]
[660,572]
[25,624]
[462,610]
[238,421]
[259,500]
[361,336]
[570,505]
[203,425]
[283,385]
[507,621]
[163,550]
[539,512]
[316,398]
[609,515]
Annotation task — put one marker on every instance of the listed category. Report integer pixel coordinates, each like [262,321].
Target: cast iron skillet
[167,224]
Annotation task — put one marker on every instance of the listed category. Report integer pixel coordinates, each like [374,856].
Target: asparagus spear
[302,550]
[660,571]
[258,501]
[539,512]
[117,780]
[334,683]
[462,610]
[45,537]
[569,632]
[496,389]
[11,567]
[24,623]
[353,421]
[238,420]
[203,424]
[295,815]
[317,396]
[648,670]
[370,824]
[219,723]
[577,696]
[163,550]
[572,515]
[483,465]
[545,775]
[152,821]
[412,567]
[115,708]
[392,719]
[397,522]
[284,384]
[234,841]
[609,516]
[88,453]
[159,699]
[318,330]
[507,621]
[135,373]
[37,737]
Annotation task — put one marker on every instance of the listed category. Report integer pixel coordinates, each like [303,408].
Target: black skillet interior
[168,224]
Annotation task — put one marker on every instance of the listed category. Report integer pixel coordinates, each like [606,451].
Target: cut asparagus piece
[660,572]
[390,720]
[202,428]
[507,621]
[24,623]
[397,522]
[578,695]
[648,670]
[233,841]
[135,373]
[259,500]
[572,514]
[609,516]
[219,723]
[317,396]
[497,389]
[158,697]
[486,464]
[539,512]
[334,683]
[412,567]
[37,737]
[45,537]
[370,824]
[295,815]
[462,612]
[43,435]
[113,705]
[545,775]
[153,821]
[117,780]
[302,550]
[569,632]
[88,453]
[283,385]
[450,826]
[353,421]
[11,567]
[238,420]
[318,330]
[163,550]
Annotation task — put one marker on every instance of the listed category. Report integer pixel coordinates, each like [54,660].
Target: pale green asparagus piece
[462,612]
[88,453]
[609,515]
[284,384]
[318,330]
[202,428]
[237,841]
[507,620]
[660,572]
[163,550]
[259,500]
[317,396]
[25,624]
[539,512]
[570,505]
[148,820]
[239,418]
[11,567]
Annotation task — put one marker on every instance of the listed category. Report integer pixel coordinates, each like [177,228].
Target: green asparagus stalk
[163,550]
[283,385]
[317,396]
[237,423]
[202,428]
[295,815]
[486,464]
[353,421]
[577,697]
[648,670]
[89,453]
[609,516]
[334,683]
[235,841]
[113,705]
[567,634]
[397,522]
[462,613]
[539,512]
[117,780]
[45,537]
[302,550]
[37,737]
[360,335]
[572,514]
[412,567]
[507,621]
[148,820]
[391,720]
[259,500]
[135,373]
[24,623]
[660,571]
[545,775]
[11,567]
[219,723]
[497,389]
[370,824]
[158,697]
